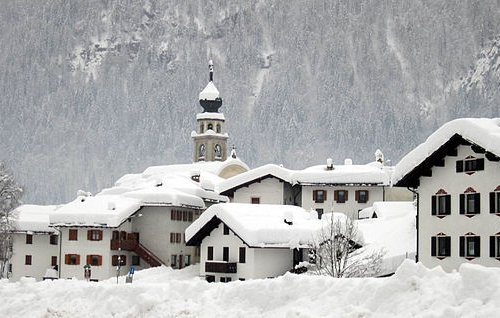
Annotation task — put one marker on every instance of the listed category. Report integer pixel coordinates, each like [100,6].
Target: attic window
[470,165]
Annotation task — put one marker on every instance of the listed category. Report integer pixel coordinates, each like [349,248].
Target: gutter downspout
[416,219]
[60,251]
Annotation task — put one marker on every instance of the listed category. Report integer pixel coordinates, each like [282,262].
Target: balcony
[125,241]
[220,267]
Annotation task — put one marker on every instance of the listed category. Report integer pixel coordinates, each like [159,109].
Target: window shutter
[477,202]
[478,250]
[492,246]
[356,195]
[67,259]
[462,204]
[448,204]
[492,202]
[315,194]
[480,164]
[462,246]
[89,259]
[460,166]
[336,195]
[324,195]
[434,205]
[367,197]
[447,242]
[77,259]
[346,195]
[242,255]
[99,260]
[433,245]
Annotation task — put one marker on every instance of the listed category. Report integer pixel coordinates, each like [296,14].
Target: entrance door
[181,261]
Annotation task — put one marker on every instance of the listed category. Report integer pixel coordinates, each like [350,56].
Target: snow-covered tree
[10,195]
[337,252]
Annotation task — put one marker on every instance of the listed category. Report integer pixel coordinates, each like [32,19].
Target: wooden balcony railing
[220,267]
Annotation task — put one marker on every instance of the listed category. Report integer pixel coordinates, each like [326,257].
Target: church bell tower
[210,139]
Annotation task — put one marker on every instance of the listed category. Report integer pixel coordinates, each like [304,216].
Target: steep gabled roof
[258,225]
[483,134]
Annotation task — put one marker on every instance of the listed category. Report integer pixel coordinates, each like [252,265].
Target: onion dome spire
[209,97]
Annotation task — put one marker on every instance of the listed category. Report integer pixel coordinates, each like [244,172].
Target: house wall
[155,225]
[260,262]
[350,207]
[456,225]
[41,252]
[84,247]
[270,191]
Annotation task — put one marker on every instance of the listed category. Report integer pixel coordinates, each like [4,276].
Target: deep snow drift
[414,291]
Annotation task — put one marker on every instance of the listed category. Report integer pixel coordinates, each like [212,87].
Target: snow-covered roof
[33,218]
[393,231]
[483,132]
[165,196]
[209,115]
[258,225]
[210,92]
[98,211]
[372,173]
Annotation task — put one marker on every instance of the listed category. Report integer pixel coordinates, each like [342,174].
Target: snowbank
[414,291]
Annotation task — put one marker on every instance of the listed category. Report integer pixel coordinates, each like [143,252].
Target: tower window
[210,127]
[218,128]
[201,128]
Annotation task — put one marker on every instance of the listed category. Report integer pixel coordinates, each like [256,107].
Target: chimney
[329,164]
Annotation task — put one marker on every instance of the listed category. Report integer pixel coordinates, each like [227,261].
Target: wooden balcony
[221,267]
[125,241]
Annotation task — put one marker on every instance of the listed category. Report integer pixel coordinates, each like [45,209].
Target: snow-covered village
[244,206]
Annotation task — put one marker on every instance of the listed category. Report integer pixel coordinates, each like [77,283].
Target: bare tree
[10,195]
[337,252]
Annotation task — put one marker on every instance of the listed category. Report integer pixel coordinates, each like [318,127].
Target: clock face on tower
[218,151]
[202,150]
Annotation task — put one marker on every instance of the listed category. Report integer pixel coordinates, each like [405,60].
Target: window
[190,216]
[470,203]
[320,213]
[187,260]
[136,260]
[470,246]
[173,260]
[225,254]
[495,246]
[115,235]
[340,196]
[29,238]
[226,229]
[54,239]
[361,196]
[184,216]
[210,253]
[175,237]
[201,128]
[495,202]
[94,235]
[118,260]
[255,200]
[218,128]
[225,279]
[172,215]
[53,261]
[441,246]
[241,279]
[470,165]
[94,260]
[27,260]
[319,196]
[210,126]
[441,205]
[210,278]
[242,258]
[72,259]
[73,235]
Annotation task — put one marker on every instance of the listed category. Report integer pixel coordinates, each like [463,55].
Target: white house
[35,246]
[343,188]
[246,241]
[456,173]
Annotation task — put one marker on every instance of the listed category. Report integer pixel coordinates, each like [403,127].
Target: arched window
[218,128]
[201,128]
[210,127]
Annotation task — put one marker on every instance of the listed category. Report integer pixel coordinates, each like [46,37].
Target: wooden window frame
[72,235]
[72,259]
[358,194]
[336,196]
[441,205]
[465,241]
[225,254]
[495,202]
[255,200]
[94,235]
[441,246]
[319,196]
[28,260]
[54,239]
[53,261]
[465,205]
[242,256]
[210,253]
[29,238]
[93,257]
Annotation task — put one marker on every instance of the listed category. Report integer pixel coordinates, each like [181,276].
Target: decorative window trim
[336,196]
[494,198]
[464,243]
[441,204]
[319,196]
[359,195]
[470,195]
[439,251]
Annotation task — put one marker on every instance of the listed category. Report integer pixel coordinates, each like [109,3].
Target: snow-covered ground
[414,291]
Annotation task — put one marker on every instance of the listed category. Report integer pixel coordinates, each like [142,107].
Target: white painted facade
[269,191]
[155,226]
[259,262]
[41,252]
[350,207]
[455,225]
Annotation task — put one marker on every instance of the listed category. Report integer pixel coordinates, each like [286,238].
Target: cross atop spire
[211,70]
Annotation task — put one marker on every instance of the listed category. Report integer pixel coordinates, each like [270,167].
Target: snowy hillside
[96,89]
[414,291]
